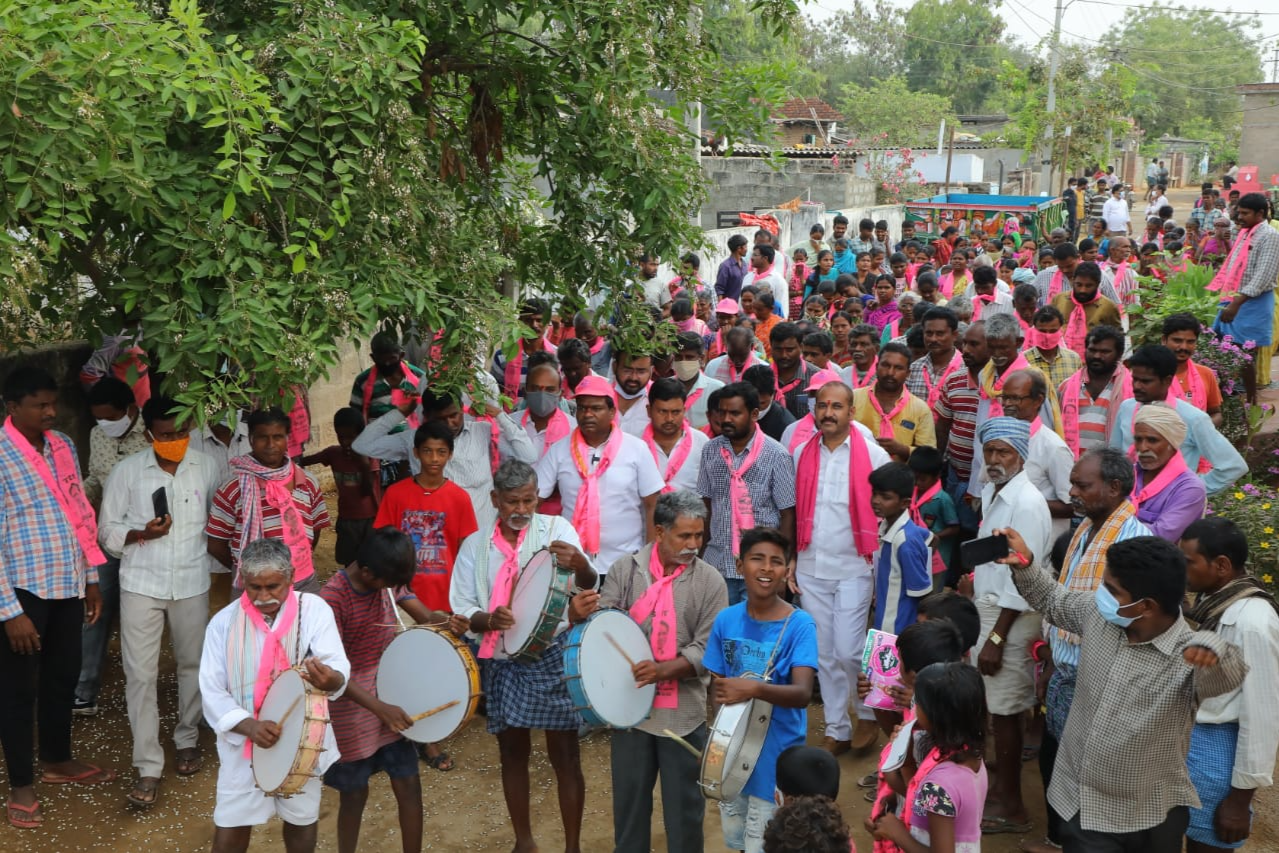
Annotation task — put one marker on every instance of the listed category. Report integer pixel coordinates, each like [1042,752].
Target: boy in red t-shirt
[356,478]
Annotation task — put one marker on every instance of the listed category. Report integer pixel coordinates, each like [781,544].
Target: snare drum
[597,674]
[424,668]
[302,712]
[541,593]
[732,748]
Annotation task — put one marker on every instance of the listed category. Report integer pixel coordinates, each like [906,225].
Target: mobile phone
[978,551]
[160,503]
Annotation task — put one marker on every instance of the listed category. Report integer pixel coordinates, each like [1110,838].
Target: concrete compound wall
[751,183]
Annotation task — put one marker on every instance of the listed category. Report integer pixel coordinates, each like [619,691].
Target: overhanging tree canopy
[256,180]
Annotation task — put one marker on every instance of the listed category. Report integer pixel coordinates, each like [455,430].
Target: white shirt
[471,466]
[656,293]
[317,636]
[471,584]
[1115,212]
[695,412]
[222,454]
[1018,505]
[686,476]
[832,554]
[776,285]
[721,369]
[1252,626]
[634,419]
[631,477]
[538,437]
[176,565]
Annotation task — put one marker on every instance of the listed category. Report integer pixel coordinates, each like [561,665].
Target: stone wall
[751,183]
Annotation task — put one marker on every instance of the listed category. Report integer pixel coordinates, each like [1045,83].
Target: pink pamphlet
[883,668]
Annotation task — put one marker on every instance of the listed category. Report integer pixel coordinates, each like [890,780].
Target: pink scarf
[1057,284]
[982,300]
[275,485]
[274,659]
[934,389]
[789,386]
[886,420]
[1197,392]
[735,375]
[865,380]
[693,397]
[1027,330]
[556,428]
[658,601]
[1230,276]
[947,284]
[995,409]
[739,494]
[861,517]
[805,428]
[586,513]
[503,584]
[1077,326]
[917,501]
[600,341]
[398,394]
[1175,468]
[63,482]
[677,458]
[1070,392]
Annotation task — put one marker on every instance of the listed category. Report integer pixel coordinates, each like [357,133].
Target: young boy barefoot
[762,648]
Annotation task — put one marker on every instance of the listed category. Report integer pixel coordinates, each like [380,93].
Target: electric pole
[1046,165]
[1274,65]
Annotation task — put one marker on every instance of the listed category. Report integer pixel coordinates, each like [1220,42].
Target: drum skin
[733,746]
[426,667]
[598,677]
[283,769]
[541,593]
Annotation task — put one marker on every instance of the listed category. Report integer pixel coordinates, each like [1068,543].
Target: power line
[1147,6]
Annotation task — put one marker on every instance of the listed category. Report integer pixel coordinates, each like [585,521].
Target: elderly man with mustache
[1008,625]
[269,629]
[1168,495]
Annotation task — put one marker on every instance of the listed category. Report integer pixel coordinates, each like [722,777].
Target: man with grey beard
[1009,499]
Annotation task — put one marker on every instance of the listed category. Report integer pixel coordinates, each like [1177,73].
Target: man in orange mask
[154,509]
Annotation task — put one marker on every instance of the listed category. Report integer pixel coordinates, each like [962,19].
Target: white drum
[537,602]
[598,673]
[733,746]
[302,712]
[424,669]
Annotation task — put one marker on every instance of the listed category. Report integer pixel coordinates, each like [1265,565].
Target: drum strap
[395,608]
[768,670]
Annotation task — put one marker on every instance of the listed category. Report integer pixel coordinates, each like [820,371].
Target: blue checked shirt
[39,551]
[771,482]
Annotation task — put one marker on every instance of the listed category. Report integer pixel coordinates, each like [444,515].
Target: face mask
[1049,340]
[686,370]
[171,451]
[1109,608]
[621,392]
[541,403]
[116,429]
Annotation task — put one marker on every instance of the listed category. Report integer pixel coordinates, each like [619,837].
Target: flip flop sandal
[1003,826]
[187,761]
[33,817]
[85,778]
[144,786]
[439,762]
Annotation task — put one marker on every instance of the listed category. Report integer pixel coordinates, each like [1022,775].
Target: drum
[302,712]
[732,748]
[598,674]
[541,593]
[427,669]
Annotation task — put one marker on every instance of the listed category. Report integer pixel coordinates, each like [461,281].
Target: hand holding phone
[160,503]
[976,552]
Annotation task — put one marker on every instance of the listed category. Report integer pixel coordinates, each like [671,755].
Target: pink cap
[820,378]
[728,306]
[595,386]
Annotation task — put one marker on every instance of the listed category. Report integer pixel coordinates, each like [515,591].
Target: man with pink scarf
[268,497]
[675,596]
[524,696]
[270,628]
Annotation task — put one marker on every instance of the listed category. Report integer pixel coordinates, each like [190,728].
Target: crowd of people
[817,452]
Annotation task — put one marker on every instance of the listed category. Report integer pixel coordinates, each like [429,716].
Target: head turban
[1023,275]
[1163,420]
[1016,433]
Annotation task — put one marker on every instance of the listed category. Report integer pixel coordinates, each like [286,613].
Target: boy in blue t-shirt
[903,568]
[744,638]
[932,507]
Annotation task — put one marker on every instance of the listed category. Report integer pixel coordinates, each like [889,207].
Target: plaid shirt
[39,551]
[771,482]
[1263,262]
[1064,366]
[1122,764]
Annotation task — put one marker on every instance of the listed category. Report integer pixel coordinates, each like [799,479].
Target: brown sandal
[145,792]
[187,761]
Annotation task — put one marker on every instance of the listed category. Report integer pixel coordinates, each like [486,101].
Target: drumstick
[289,711]
[621,651]
[679,740]
[422,716]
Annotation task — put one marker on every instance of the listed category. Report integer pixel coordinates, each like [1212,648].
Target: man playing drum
[675,596]
[268,630]
[523,696]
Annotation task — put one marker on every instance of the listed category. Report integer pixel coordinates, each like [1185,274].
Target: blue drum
[598,655]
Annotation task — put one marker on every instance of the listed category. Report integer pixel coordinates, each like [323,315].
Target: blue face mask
[1109,608]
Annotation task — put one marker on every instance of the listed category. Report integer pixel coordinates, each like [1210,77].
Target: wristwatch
[995,639]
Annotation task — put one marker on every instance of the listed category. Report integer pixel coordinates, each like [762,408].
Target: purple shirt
[1170,512]
[881,316]
[728,280]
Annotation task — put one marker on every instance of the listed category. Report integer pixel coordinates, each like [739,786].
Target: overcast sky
[1030,20]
